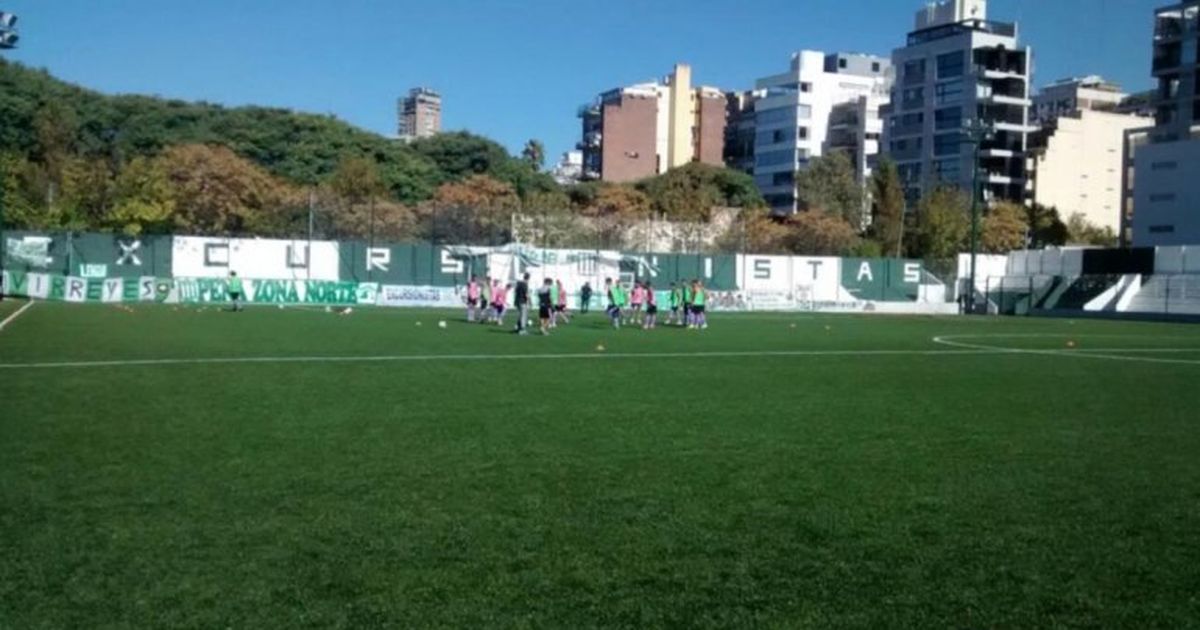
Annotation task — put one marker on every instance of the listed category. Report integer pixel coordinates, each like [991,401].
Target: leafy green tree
[829,184]
[143,199]
[887,208]
[1083,232]
[815,233]
[689,193]
[614,210]
[217,192]
[534,154]
[479,209]
[1004,229]
[944,225]
[1045,227]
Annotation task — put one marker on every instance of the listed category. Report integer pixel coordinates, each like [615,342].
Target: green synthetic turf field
[772,471]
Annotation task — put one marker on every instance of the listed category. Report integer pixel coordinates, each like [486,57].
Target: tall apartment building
[419,114]
[1161,190]
[647,129]
[739,130]
[959,69]
[794,117]
[1075,157]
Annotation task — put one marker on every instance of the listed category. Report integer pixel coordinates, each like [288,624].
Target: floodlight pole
[975,133]
[7,20]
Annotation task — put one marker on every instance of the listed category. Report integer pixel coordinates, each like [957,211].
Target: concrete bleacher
[1170,295]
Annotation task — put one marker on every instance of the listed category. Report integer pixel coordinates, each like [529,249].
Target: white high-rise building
[958,70]
[794,114]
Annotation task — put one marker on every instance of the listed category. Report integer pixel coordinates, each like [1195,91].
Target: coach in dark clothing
[585,297]
[521,301]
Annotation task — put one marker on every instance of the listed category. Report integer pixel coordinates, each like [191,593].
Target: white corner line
[8,320]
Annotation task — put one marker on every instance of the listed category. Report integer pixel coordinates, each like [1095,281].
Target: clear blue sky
[509,69]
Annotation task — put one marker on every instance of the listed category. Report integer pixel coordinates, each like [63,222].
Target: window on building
[802,133]
[948,118]
[1164,166]
[806,87]
[875,67]
[803,112]
[914,72]
[947,144]
[913,98]
[842,64]
[1162,229]
[910,172]
[783,179]
[948,171]
[1162,198]
[951,65]
[774,158]
[775,116]
[948,93]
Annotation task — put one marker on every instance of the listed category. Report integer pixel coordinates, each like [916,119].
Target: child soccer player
[699,302]
[485,300]
[553,303]
[235,291]
[499,302]
[616,300]
[674,298]
[638,296]
[686,294]
[560,304]
[545,304]
[651,308]
[473,294]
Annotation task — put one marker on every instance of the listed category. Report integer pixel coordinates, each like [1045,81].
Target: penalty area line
[1085,353]
[429,358]
[11,318]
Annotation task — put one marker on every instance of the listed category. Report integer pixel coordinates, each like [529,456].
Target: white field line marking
[8,320]
[494,357]
[1093,353]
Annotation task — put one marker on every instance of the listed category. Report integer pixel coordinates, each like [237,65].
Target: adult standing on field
[521,301]
[585,298]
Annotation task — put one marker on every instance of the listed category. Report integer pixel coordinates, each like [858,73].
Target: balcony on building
[1168,57]
[1003,116]
[1172,23]
[841,118]
[1002,144]
[1000,62]
[1004,92]
[1002,170]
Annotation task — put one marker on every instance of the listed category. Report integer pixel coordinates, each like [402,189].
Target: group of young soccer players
[487,303]
[639,305]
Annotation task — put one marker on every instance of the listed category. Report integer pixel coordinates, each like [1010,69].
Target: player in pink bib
[473,294]
[500,302]
[637,297]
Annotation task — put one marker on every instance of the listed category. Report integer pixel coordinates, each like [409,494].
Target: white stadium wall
[208,257]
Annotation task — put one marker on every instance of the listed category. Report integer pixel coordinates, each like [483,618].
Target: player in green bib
[236,294]
[553,301]
[674,301]
[616,301]
[686,294]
